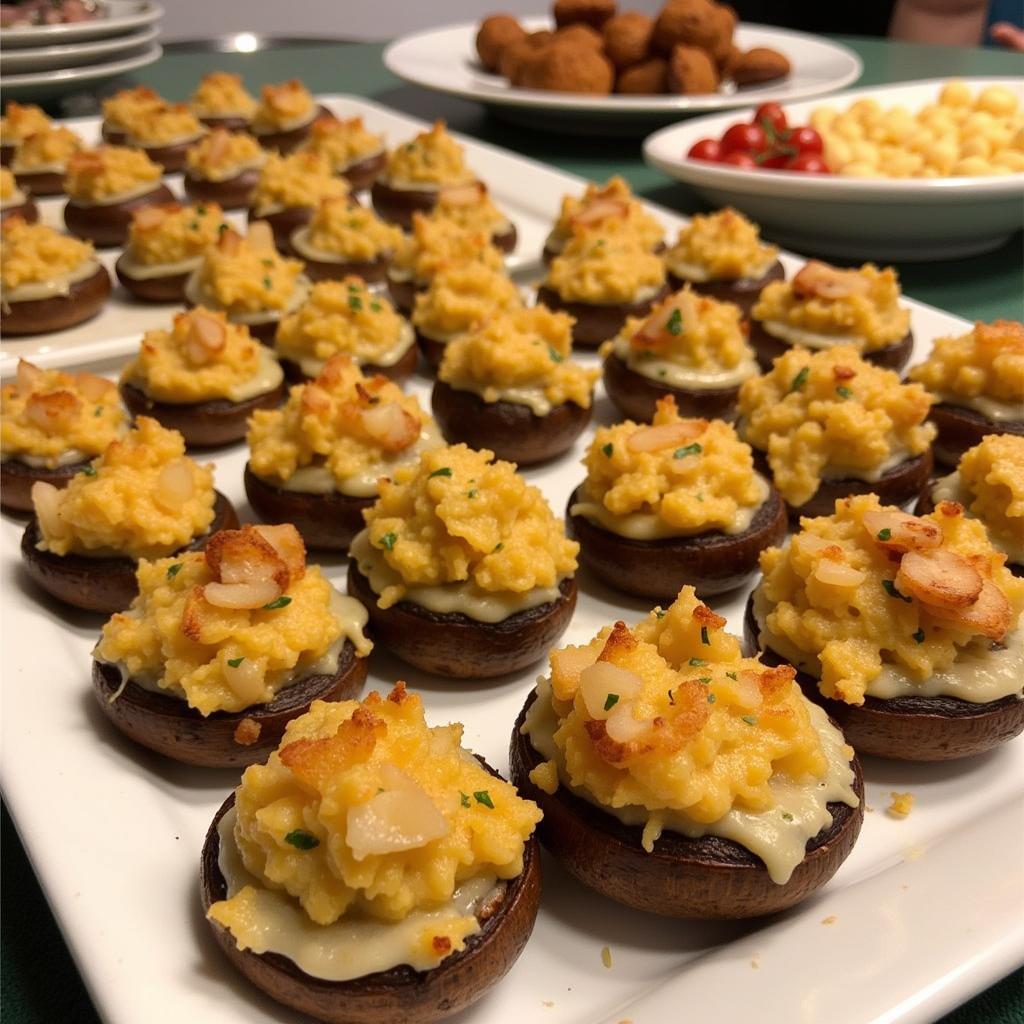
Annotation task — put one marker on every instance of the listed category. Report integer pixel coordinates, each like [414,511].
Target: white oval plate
[873,218]
[445,60]
[32,59]
[40,85]
[123,16]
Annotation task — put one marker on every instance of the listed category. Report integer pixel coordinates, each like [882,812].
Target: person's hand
[1006,34]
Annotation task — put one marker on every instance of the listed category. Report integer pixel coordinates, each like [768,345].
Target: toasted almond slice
[261,237]
[230,241]
[990,615]
[149,218]
[623,726]
[245,556]
[29,376]
[46,502]
[245,679]
[567,666]
[820,280]
[939,578]
[391,426]
[239,596]
[599,210]
[470,194]
[665,435]
[603,685]
[288,543]
[54,411]
[93,387]
[897,531]
[175,485]
[834,573]
[393,821]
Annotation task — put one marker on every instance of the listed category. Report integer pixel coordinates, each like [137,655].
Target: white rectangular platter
[925,912]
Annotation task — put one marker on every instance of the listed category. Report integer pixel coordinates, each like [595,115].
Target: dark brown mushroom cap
[908,728]
[229,122]
[172,156]
[363,173]
[597,322]
[397,205]
[169,726]
[960,428]
[104,585]
[397,371]
[432,349]
[371,271]
[108,225]
[403,292]
[165,288]
[230,194]
[17,478]
[41,183]
[511,430]
[26,210]
[400,995]
[42,316]
[711,562]
[210,424]
[899,484]
[707,877]
[769,348]
[742,291]
[458,647]
[283,223]
[635,395]
[6,153]
[325,521]
[286,141]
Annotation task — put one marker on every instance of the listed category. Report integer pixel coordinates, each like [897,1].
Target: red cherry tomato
[808,163]
[744,138]
[776,161]
[706,149]
[738,159]
[773,114]
[806,140]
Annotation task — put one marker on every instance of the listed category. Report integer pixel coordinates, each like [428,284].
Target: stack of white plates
[42,62]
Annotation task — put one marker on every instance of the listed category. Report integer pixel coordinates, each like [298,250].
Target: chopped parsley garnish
[674,326]
[355,303]
[704,638]
[463,798]
[353,287]
[844,392]
[711,698]
[481,796]
[497,547]
[671,698]
[786,816]
[659,613]
[280,602]
[235,662]
[472,493]
[173,570]
[750,719]
[267,263]
[706,680]
[194,225]
[732,676]
[890,589]
[388,541]
[690,449]
[376,307]
[610,701]
[443,471]
[267,283]
[222,229]
[799,380]
[201,210]
[301,839]
[556,356]
[608,449]
[98,411]
[89,470]
[698,662]
[884,534]
[919,635]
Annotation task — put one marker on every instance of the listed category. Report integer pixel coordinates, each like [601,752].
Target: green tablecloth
[38,981]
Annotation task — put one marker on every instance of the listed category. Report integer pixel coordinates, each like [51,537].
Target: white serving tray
[926,910]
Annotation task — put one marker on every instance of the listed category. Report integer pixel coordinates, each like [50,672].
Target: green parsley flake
[481,796]
[732,676]
[267,263]
[884,534]
[472,493]
[173,570]
[706,680]
[88,470]
[201,210]
[844,392]
[610,701]
[919,635]
[463,798]
[267,283]
[280,602]
[388,541]
[355,303]
[376,307]
[786,816]
[674,326]
[608,449]
[98,411]
[443,471]
[698,662]
[556,356]
[235,662]
[799,380]
[711,698]
[497,547]
[704,638]
[690,449]
[890,588]
[301,839]
[659,613]
[750,719]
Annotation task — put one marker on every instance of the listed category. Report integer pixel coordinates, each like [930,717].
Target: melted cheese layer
[353,946]
[778,836]
[59,286]
[687,378]
[991,408]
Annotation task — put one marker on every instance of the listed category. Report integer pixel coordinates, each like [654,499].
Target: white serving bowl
[861,218]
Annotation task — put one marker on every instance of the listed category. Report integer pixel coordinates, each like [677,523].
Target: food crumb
[606,957]
[756,963]
[247,732]
[831,919]
[868,809]
[547,1002]
[901,805]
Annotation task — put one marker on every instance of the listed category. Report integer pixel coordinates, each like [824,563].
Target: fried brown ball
[690,22]
[691,71]
[760,65]
[590,12]
[731,59]
[495,33]
[726,20]
[581,34]
[515,55]
[627,38]
[647,78]
[569,67]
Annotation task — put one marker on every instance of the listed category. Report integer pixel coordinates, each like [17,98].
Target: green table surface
[38,980]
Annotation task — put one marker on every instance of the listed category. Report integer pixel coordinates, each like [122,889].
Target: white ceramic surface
[897,219]
[124,16]
[70,55]
[445,60]
[926,910]
[41,85]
